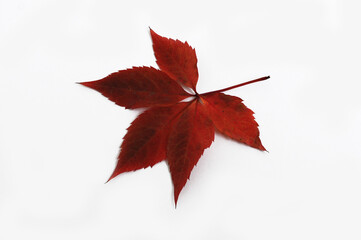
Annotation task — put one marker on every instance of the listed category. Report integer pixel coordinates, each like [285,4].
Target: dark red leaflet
[139,87]
[145,143]
[190,135]
[177,59]
[232,118]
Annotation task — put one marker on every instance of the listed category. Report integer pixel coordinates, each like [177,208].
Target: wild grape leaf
[171,129]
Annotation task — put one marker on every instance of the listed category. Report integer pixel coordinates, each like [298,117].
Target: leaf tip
[176,195]
[152,33]
[114,174]
[86,84]
[258,144]
[262,148]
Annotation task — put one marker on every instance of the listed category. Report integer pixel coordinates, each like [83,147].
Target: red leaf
[178,132]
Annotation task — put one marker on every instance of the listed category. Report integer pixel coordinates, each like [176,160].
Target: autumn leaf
[171,129]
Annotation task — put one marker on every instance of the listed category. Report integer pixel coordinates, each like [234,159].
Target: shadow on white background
[59,140]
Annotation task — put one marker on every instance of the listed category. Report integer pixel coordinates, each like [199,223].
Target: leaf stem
[238,85]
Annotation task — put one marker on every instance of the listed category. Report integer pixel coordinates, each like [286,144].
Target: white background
[59,140]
